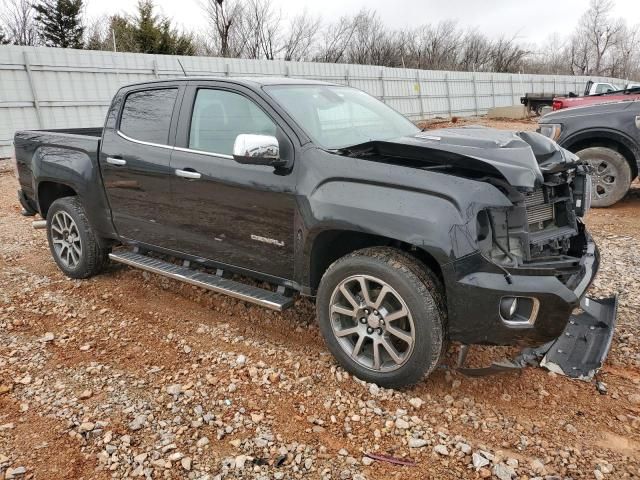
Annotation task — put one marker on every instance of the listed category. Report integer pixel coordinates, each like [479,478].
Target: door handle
[116,161]
[191,174]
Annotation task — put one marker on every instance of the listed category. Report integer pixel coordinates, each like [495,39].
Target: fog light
[508,307]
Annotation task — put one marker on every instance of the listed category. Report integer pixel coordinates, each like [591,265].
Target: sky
[530,21]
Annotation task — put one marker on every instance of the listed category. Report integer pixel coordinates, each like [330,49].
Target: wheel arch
[49,192]
[613,140]
[330,245]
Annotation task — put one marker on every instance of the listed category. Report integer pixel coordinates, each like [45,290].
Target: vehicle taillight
[557,105]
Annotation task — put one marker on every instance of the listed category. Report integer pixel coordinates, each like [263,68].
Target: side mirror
[251,149]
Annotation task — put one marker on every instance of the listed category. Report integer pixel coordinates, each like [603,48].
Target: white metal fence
[56,88]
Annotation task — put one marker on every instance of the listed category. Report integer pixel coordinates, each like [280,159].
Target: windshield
[338,117]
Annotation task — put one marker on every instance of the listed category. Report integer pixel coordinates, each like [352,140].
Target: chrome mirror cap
[256,149]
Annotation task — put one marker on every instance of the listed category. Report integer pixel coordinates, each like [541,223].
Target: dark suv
[607,136]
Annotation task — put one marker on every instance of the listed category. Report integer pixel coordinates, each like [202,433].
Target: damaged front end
[519,268]
[534,264]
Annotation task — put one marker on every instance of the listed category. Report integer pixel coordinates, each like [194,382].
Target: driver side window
[219,116]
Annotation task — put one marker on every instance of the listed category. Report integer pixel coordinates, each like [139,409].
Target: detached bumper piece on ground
[578,353]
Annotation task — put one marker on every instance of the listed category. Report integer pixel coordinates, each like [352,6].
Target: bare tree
[475,52]
[336,38]
[18,19]
[303,30]
[226,19]
[506,55]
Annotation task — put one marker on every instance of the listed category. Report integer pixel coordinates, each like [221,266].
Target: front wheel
[610,175]
[72,241]
[381,314]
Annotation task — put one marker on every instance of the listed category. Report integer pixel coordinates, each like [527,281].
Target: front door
[134,161]
[234,214]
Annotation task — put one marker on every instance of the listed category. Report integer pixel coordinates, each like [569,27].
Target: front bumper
[475,287]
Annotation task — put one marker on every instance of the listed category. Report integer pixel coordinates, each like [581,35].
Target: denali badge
[270,241]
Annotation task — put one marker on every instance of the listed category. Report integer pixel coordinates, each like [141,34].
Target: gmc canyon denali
[407,239]
[607,137]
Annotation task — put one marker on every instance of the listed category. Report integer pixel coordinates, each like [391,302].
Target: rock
[26,380]
[484,473]
[401,424]
[140,458]
[374,389]
[240,461]
[503,472]
[479,461]
[366,461]
[634,398]
[48,337]
[5,388]
[416,402]
[241,360]
[418,443]
[343,452]
[598,475]
[84,348]
[464,448]
[174,457]
[232,388]
[175,389]
[86,427]
[137,422]
[186,349]
[570,429]
[537,467]
[441,449]
[86,394]
[202,442]
[308,463]
[14,472]
[186,463]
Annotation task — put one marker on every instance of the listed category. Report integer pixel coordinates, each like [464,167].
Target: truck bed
[51,152]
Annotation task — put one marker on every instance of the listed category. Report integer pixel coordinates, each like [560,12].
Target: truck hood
[518,157]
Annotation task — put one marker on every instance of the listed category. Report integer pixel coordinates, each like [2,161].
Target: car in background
[539,103]
[630,92]
[607,136]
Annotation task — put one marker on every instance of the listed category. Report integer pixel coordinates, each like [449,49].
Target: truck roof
[247,81]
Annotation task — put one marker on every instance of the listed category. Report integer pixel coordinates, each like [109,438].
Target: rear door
[233,214]
[134,160]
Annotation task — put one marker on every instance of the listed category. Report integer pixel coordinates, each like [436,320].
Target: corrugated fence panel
[57,88]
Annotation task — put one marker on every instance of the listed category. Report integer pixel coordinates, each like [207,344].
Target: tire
[72,241]
[611,175]
[352,335]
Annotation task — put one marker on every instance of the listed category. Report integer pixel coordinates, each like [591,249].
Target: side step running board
[265,298]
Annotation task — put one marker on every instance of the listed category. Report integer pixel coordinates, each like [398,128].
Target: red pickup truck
[631,92]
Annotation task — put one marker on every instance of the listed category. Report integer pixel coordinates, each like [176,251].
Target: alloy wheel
[603,178]
[66,239]
[372,323]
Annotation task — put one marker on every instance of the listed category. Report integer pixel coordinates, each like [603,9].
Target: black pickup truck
[406,239]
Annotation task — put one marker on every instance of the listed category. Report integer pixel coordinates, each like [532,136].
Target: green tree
[60,23]
[155,34]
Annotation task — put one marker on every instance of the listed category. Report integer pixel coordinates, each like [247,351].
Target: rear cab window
[146,115]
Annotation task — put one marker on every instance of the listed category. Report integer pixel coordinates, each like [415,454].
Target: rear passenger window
[220,116]
[146,115]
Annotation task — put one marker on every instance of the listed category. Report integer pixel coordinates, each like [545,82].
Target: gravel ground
[133,375]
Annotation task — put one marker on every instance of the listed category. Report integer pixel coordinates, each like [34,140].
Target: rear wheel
[381,314]
[72,240]
[610,175]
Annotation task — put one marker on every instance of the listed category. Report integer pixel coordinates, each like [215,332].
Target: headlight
[551,130]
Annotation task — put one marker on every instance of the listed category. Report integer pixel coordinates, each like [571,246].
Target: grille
[537,210]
